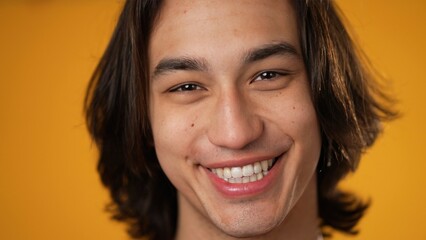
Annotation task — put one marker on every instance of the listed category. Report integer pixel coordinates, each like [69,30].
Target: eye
[269,80]
[267,75]
[186,87]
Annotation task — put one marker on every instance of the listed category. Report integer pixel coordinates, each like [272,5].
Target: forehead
[212,28]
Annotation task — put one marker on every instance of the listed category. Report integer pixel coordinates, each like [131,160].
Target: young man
[232,119]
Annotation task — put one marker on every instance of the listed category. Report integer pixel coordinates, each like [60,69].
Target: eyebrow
[268,50]
[200,64]
[181,63]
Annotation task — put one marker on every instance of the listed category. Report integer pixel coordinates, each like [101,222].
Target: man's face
[229,91]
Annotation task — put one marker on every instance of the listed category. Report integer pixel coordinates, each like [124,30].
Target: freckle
[184,11]
[292,122]
[192,125]
[294,107]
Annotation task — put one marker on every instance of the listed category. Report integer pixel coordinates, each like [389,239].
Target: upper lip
[240,162]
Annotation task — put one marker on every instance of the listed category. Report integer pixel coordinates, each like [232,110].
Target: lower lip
[240,190]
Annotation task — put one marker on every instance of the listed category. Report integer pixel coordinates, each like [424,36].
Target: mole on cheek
[192,125]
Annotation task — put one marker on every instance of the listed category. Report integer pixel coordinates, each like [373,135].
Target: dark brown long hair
[349,105]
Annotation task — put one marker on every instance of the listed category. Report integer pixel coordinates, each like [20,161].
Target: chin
[249,220]
[247,230]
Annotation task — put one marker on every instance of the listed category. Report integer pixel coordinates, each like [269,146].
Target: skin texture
[224,111]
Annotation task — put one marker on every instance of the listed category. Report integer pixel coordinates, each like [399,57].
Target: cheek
[295,116]
[173,134]
[299,114]
[303,127]
[307,138]
[167,123]
[304,123]
[168,133]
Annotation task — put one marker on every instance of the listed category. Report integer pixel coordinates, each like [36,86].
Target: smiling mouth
[248,173]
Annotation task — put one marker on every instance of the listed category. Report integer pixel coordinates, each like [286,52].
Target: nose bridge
[234,123]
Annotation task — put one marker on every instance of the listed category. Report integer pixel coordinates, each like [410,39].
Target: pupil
[189,87]
[268,75]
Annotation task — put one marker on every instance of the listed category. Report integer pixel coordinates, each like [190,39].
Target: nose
[234,123]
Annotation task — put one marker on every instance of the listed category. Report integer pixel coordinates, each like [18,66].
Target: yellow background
[49,188]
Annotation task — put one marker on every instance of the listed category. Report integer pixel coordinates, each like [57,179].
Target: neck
[301,223]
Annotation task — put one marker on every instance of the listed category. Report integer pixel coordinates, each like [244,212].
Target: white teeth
[264,165]
[248,170]
[236,172]
[227,173]
[246,179]
[257,167]
[219,172]
[248,173]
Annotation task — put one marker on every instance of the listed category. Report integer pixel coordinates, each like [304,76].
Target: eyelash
[186,87]
[265,75]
